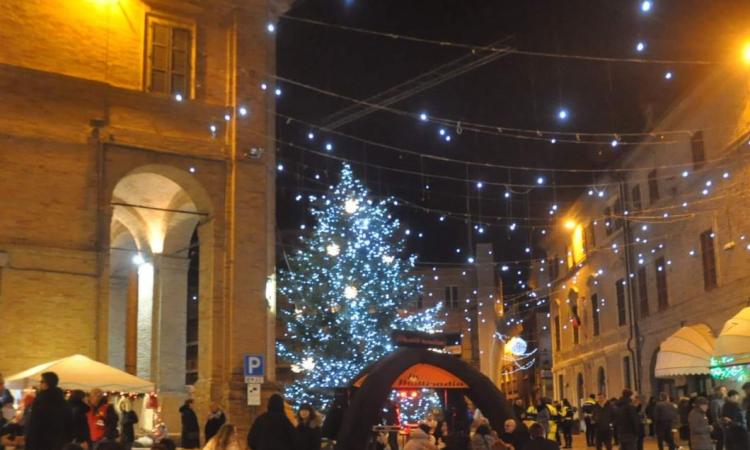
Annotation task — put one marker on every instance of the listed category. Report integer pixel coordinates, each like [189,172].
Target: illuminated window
[169,62]
[576,251]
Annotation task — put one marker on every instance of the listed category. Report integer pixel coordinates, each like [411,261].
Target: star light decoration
[348,289]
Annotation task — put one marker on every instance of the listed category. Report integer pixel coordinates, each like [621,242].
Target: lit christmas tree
[349,289]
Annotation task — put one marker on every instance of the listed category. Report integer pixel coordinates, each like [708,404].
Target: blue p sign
[253,365]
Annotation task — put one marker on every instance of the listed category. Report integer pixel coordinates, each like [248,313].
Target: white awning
[80,372]
[687,352]
[733,343]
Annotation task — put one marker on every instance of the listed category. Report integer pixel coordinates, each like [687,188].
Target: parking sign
[254,367]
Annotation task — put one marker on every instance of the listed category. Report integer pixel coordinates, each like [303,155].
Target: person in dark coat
[515,434]
[80,424]
[627,422]
[665,416]
[216,418]
[538,441]
[734,421]
[50,419]
[272,430]
[128,419]
[714,415]
[700,430]
[308,429]
[191,434]
[602,418]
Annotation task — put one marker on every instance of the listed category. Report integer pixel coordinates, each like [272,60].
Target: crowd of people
[51,419]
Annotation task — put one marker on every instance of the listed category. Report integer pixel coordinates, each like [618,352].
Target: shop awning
[687,352]
[733,344]
[80,372]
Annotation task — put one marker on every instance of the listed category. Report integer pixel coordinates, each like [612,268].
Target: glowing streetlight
[570,224]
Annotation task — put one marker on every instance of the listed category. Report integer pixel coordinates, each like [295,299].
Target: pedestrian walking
[272,430]
[79,418]
[128,419]
[538,441]
[191,435]
[714,415]
[588,411]
[101,417]
[603,417]
[699,428]
[642,421]
[308,429]
[216,418]
[665,415]
[49,422]
[567,411]
[627,421]
[650,415]
[225,438]
[735,423]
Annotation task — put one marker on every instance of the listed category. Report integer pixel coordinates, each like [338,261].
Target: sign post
[254,368]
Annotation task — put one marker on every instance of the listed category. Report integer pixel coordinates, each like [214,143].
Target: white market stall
[731,358]
[686,352]
[80,372]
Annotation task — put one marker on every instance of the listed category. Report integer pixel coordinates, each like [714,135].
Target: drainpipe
[634,341]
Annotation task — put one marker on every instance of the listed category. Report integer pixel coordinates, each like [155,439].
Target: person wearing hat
[700,430]
[50,420]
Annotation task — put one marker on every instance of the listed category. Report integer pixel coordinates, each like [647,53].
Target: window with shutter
[698,150]
[661,284]
[709,260]
[595,313]
[169,59]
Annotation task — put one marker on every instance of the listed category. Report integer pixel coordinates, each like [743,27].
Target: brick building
[654,252]
[134,138]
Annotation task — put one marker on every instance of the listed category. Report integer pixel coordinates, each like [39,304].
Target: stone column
[118,299]
[144,326]
[170,340]
[488,294]
[171,322]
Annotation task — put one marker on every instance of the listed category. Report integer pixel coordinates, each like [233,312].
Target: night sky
[510,91]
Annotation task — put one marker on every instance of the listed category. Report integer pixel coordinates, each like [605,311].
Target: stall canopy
[687,352]
[733,343]
[421,376]
[80,372]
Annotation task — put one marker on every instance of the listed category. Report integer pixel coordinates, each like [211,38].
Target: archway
[368,400]
[157,212]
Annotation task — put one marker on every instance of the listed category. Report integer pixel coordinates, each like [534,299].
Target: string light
[423,117]
[178,97]
[640,46]
[243,111]
[646,6]
[277,91]
[270,27]
[280,167]
[562,114]
[668,75]
[264,86]
[329,146]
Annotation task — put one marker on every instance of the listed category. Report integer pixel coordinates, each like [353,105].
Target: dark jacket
[79,422]
[603,416]
[272,430]
[542,444]
[128,419]
[307,437]
[735,434]
[700,430]
[190,428]
[518,439]
[665,412]
[49,422]
[627,422]
[214,422]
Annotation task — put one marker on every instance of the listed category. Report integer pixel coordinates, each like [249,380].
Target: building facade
[471,298]
[135,140]
[657,245]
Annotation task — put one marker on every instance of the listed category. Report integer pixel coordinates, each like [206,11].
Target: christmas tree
[349,287]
